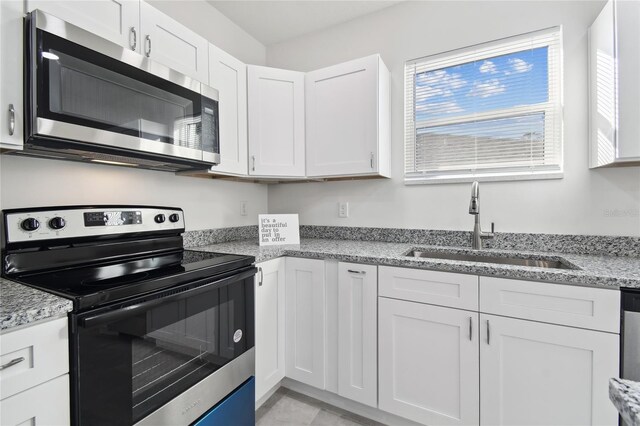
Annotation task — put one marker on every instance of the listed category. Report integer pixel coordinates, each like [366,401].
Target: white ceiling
[273,21]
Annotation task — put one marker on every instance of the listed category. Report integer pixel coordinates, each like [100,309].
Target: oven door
[86,89]
[165,358]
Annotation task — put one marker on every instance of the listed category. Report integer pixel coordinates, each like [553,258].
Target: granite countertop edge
[625,395]
[595,271]
[22,305]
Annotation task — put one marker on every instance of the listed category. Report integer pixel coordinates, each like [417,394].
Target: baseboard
[267,395]
[346,404]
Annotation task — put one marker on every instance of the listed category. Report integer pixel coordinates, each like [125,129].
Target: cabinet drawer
[438,288]
[46,404]
[45,351]
[584,307]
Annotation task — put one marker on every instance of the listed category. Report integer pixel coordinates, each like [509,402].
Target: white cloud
[487,88]
[488,67]
[445,107]
[439,83]
[520,65]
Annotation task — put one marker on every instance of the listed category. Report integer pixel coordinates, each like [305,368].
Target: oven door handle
[128,311]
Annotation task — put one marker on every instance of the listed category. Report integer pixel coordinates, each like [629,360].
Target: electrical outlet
[243,208]
[343,209]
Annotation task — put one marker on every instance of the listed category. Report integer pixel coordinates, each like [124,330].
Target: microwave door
[80,94]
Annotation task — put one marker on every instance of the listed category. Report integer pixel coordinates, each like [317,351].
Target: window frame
[552,109]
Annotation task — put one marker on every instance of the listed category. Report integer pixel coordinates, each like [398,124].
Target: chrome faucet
[474,209]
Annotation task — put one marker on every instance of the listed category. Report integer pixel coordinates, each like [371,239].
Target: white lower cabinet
[542,374]
[34,380]
[357,333]
[429,363]
[44,405]
[305,321]
[269,301]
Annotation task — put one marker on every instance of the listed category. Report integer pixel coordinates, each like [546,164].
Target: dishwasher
[630,334]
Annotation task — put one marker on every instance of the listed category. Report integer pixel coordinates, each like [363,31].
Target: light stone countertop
[625,395]
[21,305]
[599,271]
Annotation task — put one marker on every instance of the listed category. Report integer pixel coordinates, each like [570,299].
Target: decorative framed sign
[278,229]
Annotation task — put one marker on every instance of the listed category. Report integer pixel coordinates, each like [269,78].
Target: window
[488,112]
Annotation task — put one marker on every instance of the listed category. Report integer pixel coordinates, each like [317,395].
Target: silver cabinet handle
[147,51]
[488,333]
[253,159]
[356,272]
[12,119]
[12,363]
[470,328]
[372,160]
[261,277]
[135,38]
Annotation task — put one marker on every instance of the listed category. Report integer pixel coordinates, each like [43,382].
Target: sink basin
[553,263]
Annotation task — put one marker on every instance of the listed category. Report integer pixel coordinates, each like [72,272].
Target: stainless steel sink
[553,263]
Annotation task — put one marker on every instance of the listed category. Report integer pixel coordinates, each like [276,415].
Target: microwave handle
[118,314]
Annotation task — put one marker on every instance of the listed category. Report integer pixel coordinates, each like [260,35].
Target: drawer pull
[261,277]
[356,272]
[470,328]
[12,363]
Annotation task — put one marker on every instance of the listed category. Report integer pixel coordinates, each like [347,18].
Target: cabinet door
[428,362]
[43,405]
[541,374]
[357,333]
[628,61]
[305,321]
[115,20]
[11,51]
[172,44]
[342,110]
[276,122]
[270,282]
[229,76]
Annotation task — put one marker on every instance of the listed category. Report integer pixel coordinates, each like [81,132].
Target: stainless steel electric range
[159,334]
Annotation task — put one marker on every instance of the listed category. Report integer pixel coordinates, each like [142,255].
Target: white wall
[29,182]
[601,202]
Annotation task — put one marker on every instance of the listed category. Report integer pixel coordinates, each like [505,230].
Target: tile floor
[286,407]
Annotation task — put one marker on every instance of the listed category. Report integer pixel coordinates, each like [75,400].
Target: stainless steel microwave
[88,99]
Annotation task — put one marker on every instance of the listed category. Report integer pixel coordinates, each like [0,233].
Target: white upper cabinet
[229,76]
[116,21]
[347,111]
[542,374]
[276,122]
[11,52]
[167,41]
[614,86]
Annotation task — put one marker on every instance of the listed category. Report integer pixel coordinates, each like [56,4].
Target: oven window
[130,367]
[80,86]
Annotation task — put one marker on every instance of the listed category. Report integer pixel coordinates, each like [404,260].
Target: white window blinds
[491,111]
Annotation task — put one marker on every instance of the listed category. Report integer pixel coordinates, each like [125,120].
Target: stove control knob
[159,218]
[57,223]
[30,224]
[174,217]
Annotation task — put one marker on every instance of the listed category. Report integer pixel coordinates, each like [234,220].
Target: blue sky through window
[506,81]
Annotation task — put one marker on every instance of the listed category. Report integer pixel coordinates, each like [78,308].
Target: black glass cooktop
[101,284]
